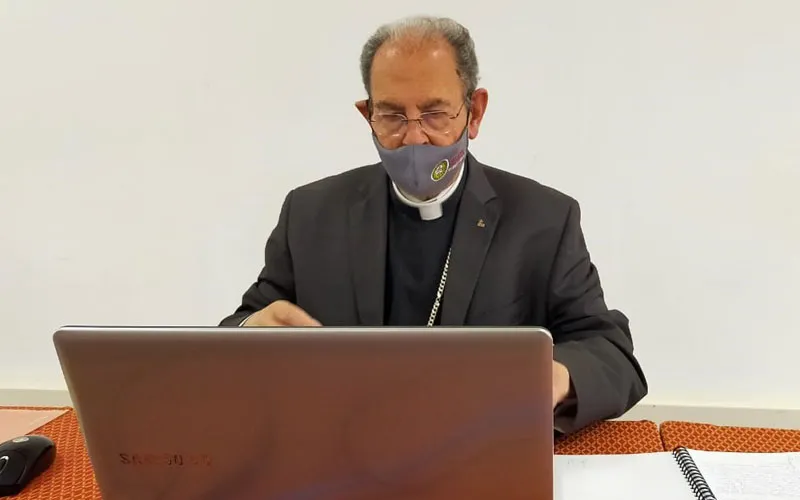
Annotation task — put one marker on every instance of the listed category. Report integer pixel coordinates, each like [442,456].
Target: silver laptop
[314,414]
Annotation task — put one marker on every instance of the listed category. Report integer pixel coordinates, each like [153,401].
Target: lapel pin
[481,223]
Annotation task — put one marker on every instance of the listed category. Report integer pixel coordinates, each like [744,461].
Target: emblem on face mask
[439,170]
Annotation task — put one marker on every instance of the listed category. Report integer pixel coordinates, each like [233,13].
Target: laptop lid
[312,414]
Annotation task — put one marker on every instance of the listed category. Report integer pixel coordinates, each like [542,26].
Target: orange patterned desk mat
[612,438]
[71,476]
[709,437]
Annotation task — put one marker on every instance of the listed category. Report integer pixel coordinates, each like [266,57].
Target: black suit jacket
[518,258]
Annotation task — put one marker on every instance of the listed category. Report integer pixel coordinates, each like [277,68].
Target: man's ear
[480,100]
[363,108]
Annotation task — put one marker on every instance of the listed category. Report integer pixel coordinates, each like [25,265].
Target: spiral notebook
[682,474]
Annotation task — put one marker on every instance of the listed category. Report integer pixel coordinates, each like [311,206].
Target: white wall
[145,148]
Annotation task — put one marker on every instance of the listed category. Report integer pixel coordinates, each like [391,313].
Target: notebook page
[654,476]
[750,476]
[15,423]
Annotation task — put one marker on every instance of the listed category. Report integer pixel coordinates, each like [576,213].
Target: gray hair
[425,26]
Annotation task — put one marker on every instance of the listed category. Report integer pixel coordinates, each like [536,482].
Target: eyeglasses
[431,122]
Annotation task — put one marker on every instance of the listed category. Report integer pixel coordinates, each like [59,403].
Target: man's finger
[291,315]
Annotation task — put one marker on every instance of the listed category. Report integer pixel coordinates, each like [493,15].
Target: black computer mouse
[21,460]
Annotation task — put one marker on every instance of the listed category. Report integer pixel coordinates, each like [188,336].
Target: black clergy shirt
[416,254]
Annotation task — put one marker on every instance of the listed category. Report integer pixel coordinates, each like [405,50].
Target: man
[375,245]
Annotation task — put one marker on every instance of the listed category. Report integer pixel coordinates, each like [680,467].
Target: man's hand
[281,313]
[561,383]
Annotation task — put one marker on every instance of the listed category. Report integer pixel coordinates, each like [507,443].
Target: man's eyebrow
[388,105]
[434,104]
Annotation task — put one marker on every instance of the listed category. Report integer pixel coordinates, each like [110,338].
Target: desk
[71,476]
[709,437]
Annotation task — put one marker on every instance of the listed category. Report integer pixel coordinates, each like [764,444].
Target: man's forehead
[412,45]
[413,51]
[417,73]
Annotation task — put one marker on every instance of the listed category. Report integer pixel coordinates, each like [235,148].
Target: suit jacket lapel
[367,247]
[478,215]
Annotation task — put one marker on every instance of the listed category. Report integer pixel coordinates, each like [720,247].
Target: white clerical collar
[431,209]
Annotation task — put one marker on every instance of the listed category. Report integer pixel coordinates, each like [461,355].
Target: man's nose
[414,134]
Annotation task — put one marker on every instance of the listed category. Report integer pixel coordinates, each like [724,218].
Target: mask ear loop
[465,132]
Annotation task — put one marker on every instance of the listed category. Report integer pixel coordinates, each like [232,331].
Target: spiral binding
[692,474]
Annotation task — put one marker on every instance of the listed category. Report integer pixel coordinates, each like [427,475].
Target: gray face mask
[423,170]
